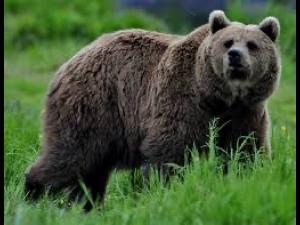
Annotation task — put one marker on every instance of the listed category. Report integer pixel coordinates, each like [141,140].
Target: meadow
[41,35]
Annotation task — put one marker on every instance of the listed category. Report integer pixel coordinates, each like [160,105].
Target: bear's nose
[234,57]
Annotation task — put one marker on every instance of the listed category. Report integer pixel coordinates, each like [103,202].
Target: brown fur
[136,97]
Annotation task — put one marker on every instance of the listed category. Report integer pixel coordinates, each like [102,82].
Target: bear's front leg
[166,147]
[246,130]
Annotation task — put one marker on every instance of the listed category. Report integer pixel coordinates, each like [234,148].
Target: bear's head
[243,55]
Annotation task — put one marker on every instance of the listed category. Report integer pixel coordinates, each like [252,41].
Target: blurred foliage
[31,21]
[283,2]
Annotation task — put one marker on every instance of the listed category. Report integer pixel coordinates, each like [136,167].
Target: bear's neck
[210,86]
[214,96]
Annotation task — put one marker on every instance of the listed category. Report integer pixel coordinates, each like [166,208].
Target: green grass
[258,194]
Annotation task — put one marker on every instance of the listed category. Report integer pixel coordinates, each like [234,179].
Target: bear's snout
[234,58]
[236,65]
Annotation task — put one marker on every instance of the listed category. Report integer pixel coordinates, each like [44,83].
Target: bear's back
[136,55]
[113,71]
[111,52]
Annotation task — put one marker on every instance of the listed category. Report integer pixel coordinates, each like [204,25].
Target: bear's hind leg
[96,183]
[49,174]
[67,171]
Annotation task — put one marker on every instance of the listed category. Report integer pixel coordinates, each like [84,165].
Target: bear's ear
[271,27]
[217,21]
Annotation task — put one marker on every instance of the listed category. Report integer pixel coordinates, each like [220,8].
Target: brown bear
[135,97]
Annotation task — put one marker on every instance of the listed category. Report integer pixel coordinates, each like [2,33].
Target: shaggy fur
[135,98]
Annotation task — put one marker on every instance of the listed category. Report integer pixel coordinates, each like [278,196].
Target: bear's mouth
[237,73]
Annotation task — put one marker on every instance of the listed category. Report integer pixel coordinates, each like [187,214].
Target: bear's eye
[251,45]
[228,43]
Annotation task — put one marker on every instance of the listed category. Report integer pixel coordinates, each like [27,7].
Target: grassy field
[263,193]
